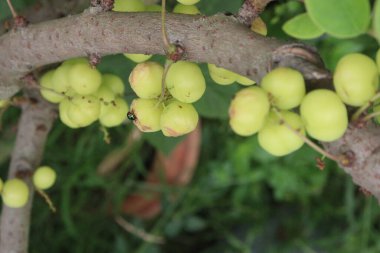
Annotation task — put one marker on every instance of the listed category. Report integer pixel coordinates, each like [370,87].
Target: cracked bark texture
[34,125]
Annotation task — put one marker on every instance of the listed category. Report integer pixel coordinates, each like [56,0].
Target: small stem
[365,107]
[47,199]
[163,81]
[106,134]
[165,37]
[13,11]
[372,115]
[305,139]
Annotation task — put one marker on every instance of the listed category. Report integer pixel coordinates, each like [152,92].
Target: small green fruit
[138,58]
[84,79]
[114,113]
[3,103]
[186,9]
[15,193]
[83,110]
[128,6]
[63,110]
[146,79]
[188,2]
[47,90]
[114,83]
[44,177]
[60,78]
[147,113]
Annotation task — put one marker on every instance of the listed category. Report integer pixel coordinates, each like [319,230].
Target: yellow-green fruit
[128,6]
[185,81]
[146,79]
[63,110]
[324,115]
[248,111]
[356,79]
[378,59]
[148,114]
[84,79]
[44,177]
[15,193]
[105,94]
[74,61]
[47,91]
[244,80]
[83,110]
[113,114]
[138,58]
[188,2]
[60,78]
[3,103]
[286,87]
[1,184]
[276,138]
[258,26]
[114,83]
[178,118]
[220,75]
[153,8]
[186,9]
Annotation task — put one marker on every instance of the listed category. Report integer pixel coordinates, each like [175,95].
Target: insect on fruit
[131,116]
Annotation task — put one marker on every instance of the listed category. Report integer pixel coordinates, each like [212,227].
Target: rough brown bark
[34,126]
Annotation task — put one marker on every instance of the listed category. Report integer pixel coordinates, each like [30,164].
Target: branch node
[20,22]
[94,59]
[176,52]
[103,5]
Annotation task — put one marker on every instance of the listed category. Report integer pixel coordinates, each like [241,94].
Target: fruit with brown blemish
[147,114]
[114,113]
[146,79]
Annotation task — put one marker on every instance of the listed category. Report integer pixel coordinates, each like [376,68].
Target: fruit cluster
[15,192]
[84,94]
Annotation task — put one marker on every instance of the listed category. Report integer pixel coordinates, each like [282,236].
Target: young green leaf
[302,27]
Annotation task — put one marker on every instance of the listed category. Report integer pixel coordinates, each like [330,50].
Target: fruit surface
[244,80]
[105,94]
[248,111]
[146,79]
[113,114]
[74,61]
[185,81]
[3,103]
[114,83]
[44,177]
[15,193]
[49,94]
[324,115]
[188,2]
[356,79]
[258,26]
[83,110]
[186,9]
[60,78]
[286,87]
[276,138]
[63,110]
[138,58]
[128,6]
[147,114]
[178,118]
[84,79]
[220,75]
[378,59]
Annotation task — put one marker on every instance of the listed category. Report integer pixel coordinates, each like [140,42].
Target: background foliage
[240,200]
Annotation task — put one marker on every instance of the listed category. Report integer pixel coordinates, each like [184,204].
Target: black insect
[131,116]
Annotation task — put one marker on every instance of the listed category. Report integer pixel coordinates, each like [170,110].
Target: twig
[250,10]
[47,199]
[13,11]
[138,231]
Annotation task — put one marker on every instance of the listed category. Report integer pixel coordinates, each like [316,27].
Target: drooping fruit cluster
[84,94]
[166,108]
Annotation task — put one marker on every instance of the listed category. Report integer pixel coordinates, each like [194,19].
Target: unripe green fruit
[63,110]
[244,80]
[178,118]
[356,79]
[74,61]
[138,58]
[46,82]
[185,81]
[15,193]
[146,79]
[3,103]
[148,114]
[128,6]
[220,75]
[188,2]
[44,177]
[84,79]
[114,83]
[286,86]
[248,111]
[378,59]
[276,138]
[324,115]
[153,8]
[186,9]
[60,78]
[114,113]
[105,94]
[83,110]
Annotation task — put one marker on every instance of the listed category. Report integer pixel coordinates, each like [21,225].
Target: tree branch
[35,123]
[250,10]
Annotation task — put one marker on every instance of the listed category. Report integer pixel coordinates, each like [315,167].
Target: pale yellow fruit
[356,79]
[138,58]
[146,79]
[178,118]
[63,109]
[114,113]
[15,193]
[114,83]
[105,94]
[259,26]
[248,111]
[60,78]
[44,177]
[84,110]
[47,90]
[186,9]
[128,6]
[3,103]
[153,8]
[244,80]
[286,87]
[276,138]
[324,115]
[84,79]
[220,75]
[148,114]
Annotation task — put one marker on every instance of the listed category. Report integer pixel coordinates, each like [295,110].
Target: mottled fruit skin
[113,114]
[286,87]
[276,138]
[248,110]
[178,118]
[356,79]
[147,114]
[48,93]
[15,193]
[138,58]
[186,9]
[84,79]
[146,79]
[128,6]
[185,81]
[44,177]
[324,115]
[188,2]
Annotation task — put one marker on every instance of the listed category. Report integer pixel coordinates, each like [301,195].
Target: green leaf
[376,20]
[302,27]
[340,18]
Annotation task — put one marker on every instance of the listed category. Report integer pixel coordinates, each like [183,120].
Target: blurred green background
[241,199]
